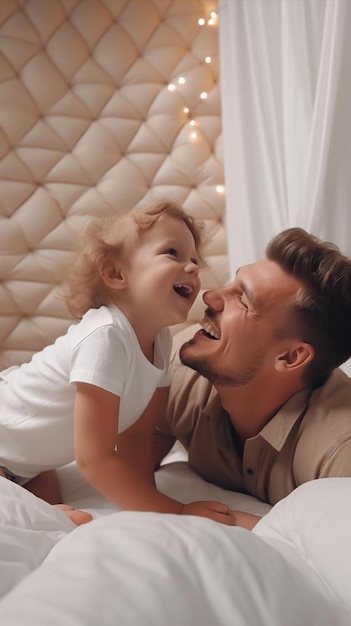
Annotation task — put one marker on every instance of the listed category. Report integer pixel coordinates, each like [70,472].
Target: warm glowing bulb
[192,123]
[220,188]
[171,87]
[201,21]
[181,80]
[211,21]
[208,59]
[213,14]
[193,135]
[186,110]
[203,95]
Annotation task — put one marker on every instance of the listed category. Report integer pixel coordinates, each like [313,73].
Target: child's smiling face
[161,275]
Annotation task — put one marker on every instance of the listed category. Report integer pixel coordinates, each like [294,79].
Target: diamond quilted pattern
[88,126]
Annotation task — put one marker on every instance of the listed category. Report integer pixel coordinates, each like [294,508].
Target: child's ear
[113,275]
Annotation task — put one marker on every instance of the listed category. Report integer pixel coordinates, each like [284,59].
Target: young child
[95,394]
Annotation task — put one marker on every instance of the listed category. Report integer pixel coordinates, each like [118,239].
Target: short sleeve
[101,359]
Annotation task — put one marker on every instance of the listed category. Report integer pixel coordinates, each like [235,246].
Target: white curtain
[286,105]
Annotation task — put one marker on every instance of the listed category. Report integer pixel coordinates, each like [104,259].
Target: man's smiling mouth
[210,331]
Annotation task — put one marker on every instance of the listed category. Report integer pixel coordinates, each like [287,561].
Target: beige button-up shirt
[309,437]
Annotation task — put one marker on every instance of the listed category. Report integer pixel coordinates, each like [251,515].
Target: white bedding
[143,569]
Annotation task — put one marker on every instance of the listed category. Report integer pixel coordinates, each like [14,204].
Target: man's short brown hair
[321,313]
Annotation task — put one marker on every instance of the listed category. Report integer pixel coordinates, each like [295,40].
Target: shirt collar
[279,427]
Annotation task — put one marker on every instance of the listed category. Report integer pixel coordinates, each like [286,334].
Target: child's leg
[46,486]
[77,516]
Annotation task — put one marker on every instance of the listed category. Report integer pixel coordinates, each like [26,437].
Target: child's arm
[126,477]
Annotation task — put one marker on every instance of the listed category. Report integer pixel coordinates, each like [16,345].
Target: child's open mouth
[184,290]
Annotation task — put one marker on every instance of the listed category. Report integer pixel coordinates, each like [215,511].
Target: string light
[211,21]
[181,80]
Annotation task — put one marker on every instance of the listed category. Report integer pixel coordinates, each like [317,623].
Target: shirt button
[249,471]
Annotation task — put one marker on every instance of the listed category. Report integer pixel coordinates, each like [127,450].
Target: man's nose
[214,299]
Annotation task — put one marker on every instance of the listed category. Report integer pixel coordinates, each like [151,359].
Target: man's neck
[250,407]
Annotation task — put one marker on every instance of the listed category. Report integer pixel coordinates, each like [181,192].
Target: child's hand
[217,511]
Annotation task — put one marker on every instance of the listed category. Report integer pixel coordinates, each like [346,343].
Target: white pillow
[29,528]
[315,519]
[149,569]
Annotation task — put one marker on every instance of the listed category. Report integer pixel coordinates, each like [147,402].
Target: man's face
[240,328]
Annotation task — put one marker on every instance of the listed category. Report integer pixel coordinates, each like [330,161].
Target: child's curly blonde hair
[104,239]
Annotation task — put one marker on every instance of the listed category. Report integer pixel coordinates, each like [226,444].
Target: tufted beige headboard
[90,124]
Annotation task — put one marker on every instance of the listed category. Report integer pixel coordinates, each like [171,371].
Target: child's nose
[192,267]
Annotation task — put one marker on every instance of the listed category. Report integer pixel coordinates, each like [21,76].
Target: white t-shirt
[37,398]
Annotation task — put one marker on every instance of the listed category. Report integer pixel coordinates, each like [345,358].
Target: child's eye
[172,252]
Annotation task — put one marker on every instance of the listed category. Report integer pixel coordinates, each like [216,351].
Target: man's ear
[297,356]
[113,275]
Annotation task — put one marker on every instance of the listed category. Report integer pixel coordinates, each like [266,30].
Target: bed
[101,111]
[139,569]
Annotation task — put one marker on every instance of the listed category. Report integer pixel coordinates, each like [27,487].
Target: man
[264,408]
